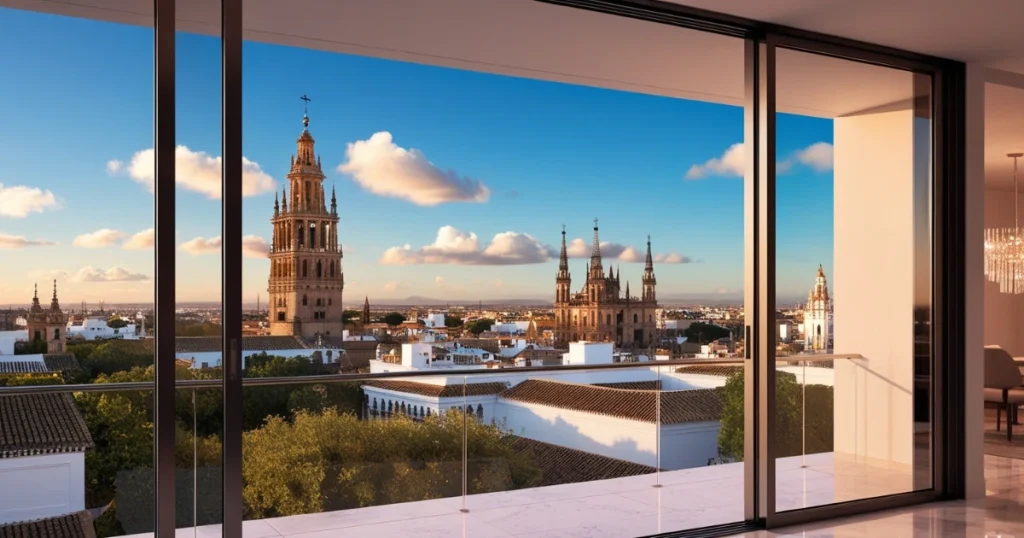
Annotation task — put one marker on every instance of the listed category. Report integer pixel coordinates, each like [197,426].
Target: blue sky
[527,156]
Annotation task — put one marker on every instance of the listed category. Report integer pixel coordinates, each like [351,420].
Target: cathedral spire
[595,251]
[334,201]
[563,257]
[54,304]
[649,262]
[284,200]
[277,206]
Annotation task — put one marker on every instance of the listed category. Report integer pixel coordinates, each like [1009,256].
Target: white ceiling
[532,39]
[988,32]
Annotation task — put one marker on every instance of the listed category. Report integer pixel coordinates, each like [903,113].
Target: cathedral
[601,311]
[306,278]
[818,316]
[49,325]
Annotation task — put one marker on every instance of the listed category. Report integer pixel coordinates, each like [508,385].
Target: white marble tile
[568,514]
[341,519]
[444,526]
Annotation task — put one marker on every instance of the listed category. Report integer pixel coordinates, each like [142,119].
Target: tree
[703,333]
[393,319]
[790,422]
[480,325]
[350,316]
[116,323]
[331,461]
[452,322]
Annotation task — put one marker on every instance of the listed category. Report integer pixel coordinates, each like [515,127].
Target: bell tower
[48,325]
[306,278]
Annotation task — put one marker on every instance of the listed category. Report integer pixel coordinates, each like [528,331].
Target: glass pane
[424,206]
[76,236]
[197,322]
[853,281]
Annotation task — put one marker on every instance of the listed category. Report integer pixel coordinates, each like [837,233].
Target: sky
[451,184]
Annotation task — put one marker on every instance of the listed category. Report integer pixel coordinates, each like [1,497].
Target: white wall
[8,338]
[37,487]
[874,284]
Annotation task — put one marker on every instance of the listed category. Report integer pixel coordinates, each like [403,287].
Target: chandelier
[1004,248]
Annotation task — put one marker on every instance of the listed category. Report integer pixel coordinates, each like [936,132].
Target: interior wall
[1002,310]
[874,279]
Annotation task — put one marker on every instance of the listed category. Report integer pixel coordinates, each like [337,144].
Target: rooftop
[209,344]
[35,424]
[76,525]
[702,405]
[439,391]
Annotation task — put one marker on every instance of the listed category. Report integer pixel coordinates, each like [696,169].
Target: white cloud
[16,241]
[200,245]
[98,239]
[114,166]
[671,258]
[18,201]
[730,164]
[382,167]
[455,247]
[254,246]
[439,281]
[141,241]
[393,286]
[198,171]
[817,156]
[578,248]
[114,274]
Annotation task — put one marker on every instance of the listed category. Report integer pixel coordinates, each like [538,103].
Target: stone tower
[648,279]
[818,316]
[306,277]
[365,319]
[49,325]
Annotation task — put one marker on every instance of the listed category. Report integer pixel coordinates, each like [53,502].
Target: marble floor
[630,506]
[999,515]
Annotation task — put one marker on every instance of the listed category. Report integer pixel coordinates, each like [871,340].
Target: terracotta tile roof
[562,465]
[76,525]
[33,424]
[439,391]
[206,344]
[723,370]
[676,406]
[58,362]
[632,385]
[23,367]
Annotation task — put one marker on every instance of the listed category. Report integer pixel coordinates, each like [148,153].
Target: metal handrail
[342,378]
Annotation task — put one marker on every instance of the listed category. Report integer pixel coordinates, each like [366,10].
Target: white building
[434,320]
[42,457]
[205,351]
[94,327]
[818,316]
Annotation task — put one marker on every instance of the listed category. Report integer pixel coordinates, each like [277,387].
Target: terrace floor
[629,506]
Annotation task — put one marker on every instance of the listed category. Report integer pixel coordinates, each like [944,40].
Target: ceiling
[1004,133]
[538,40]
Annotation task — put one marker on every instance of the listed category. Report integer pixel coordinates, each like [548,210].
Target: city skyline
[453,188]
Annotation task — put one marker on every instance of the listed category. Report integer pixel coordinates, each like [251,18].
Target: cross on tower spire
[305,110]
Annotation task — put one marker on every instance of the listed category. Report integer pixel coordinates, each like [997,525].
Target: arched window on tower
[324,230]
[319,269]
[312,235]
[608,319]
[305,301]
[306,190]
[332,269]
[305,268]
[635,318]
[302,236]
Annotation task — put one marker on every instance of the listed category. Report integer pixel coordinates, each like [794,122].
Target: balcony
[629,506]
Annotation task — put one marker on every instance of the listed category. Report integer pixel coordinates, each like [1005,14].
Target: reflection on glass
[77,277]
[852,227]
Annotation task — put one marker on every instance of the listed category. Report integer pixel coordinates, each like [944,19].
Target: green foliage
[34,347]
[348,316]
[703,333]
[453,321]
[108,357]
[790,420]
[393,319]
[116,323]
[332,461]
[480,325]
[19,380]
[196,328]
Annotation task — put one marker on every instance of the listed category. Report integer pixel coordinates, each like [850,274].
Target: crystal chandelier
[1004,248]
